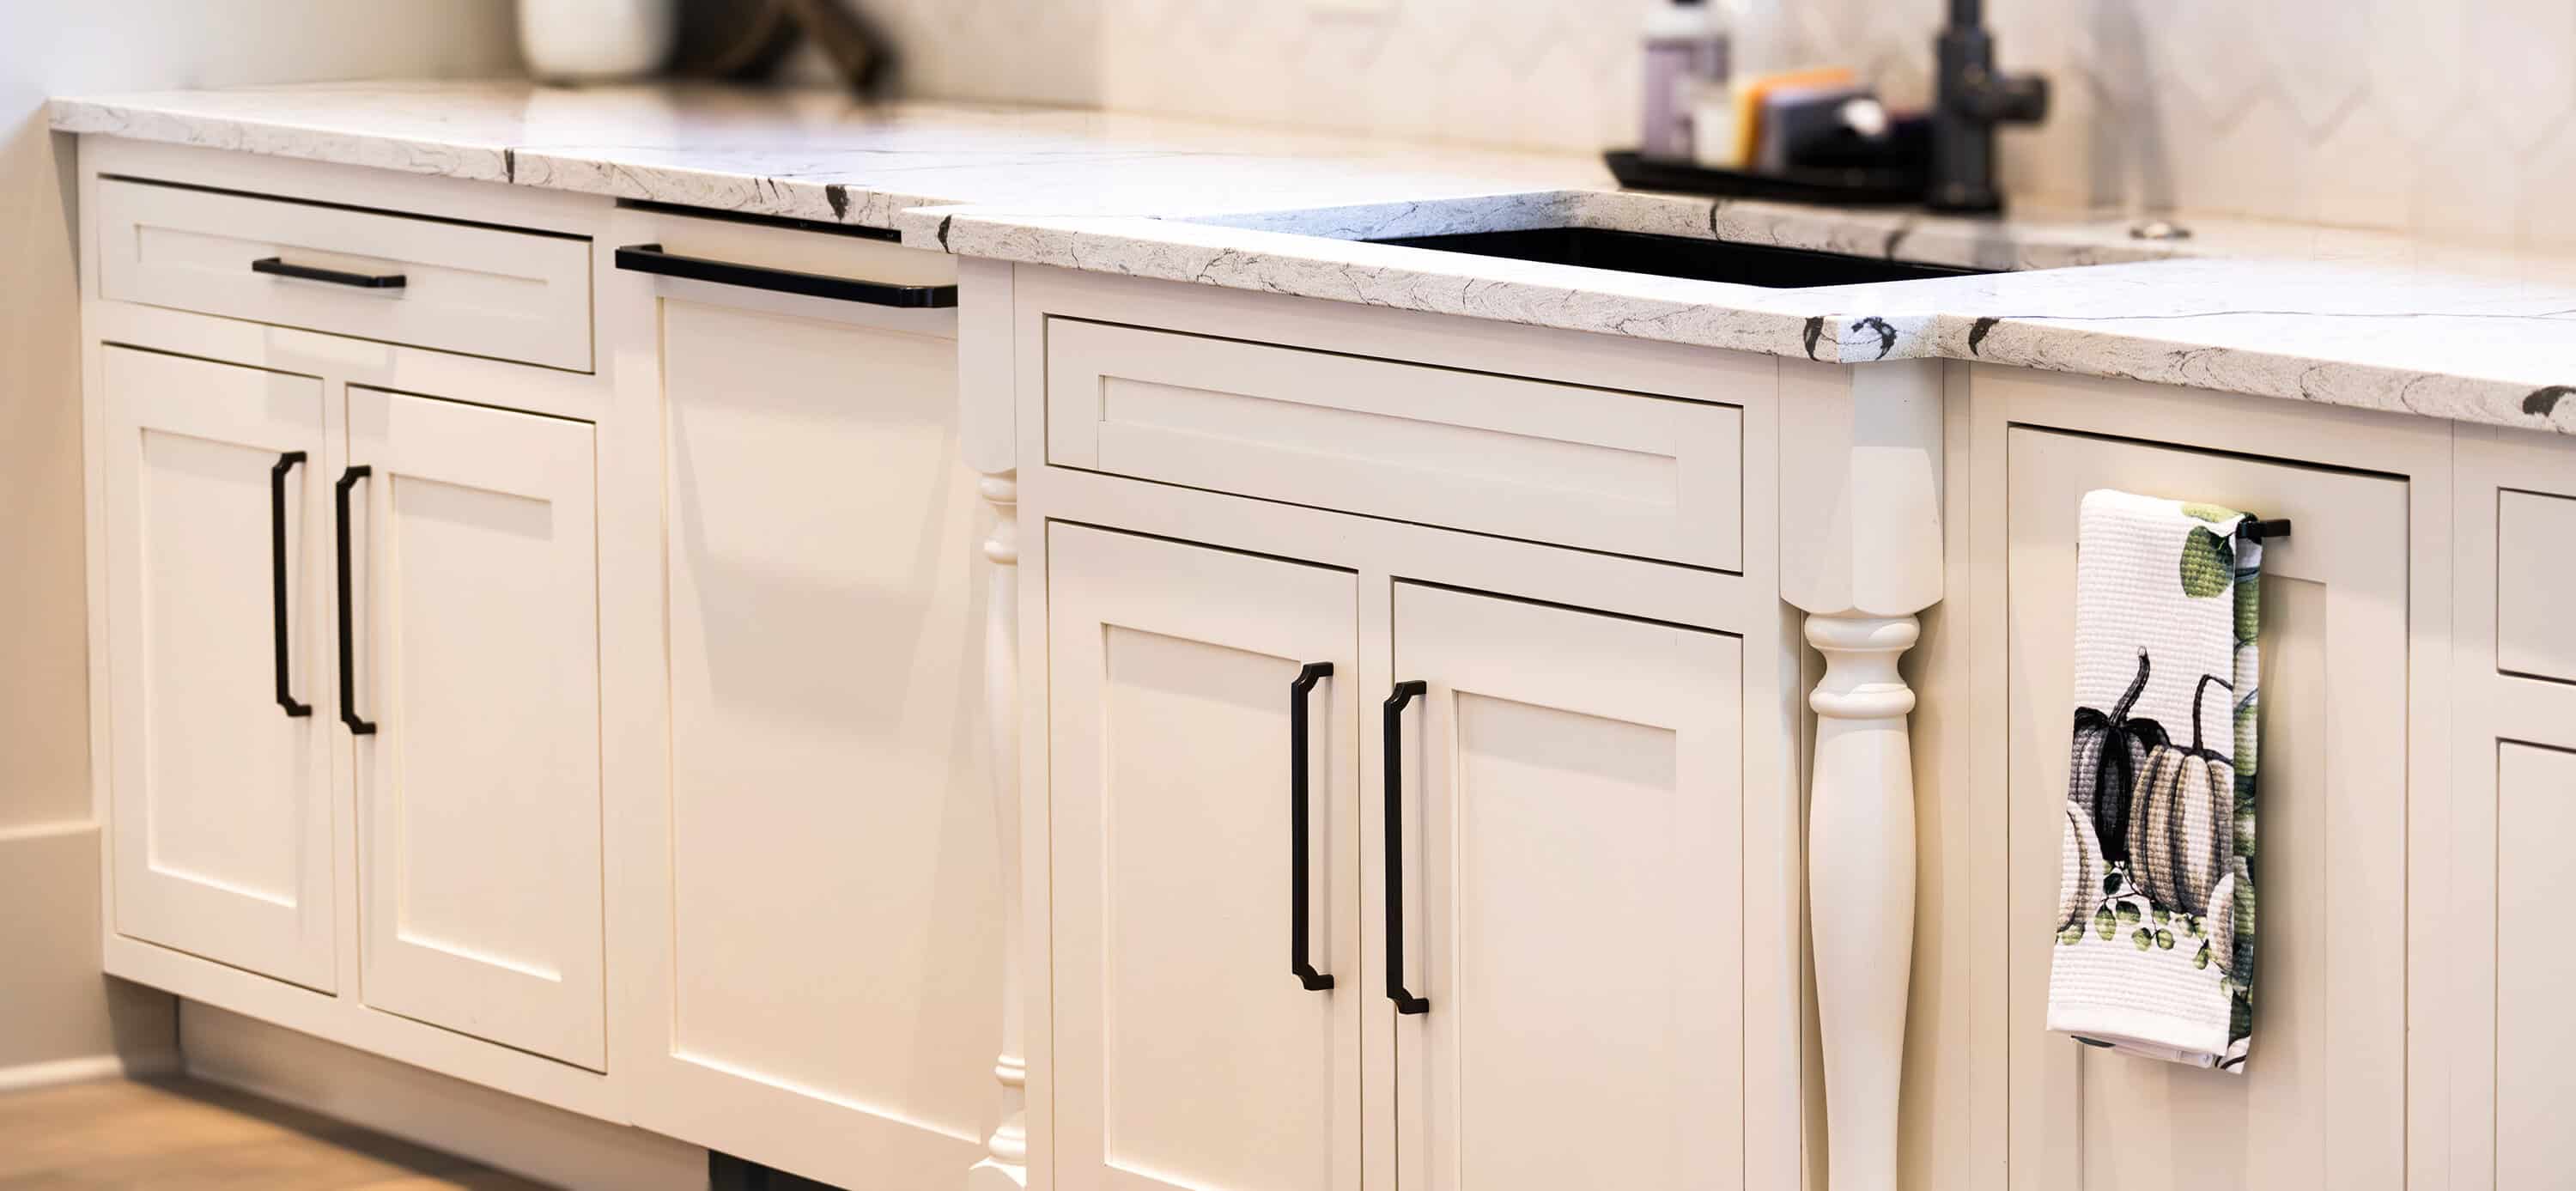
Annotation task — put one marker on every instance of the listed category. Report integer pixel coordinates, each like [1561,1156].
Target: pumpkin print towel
[2154,952]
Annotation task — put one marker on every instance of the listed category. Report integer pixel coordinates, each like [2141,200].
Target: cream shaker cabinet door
[1565,791]
[220,780]
[2321,1102]
[473,714]
[1188,694]
[832,989]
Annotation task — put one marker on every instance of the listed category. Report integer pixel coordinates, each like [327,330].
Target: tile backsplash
[2454,119]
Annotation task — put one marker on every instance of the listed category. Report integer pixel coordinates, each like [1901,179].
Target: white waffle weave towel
[2154,938]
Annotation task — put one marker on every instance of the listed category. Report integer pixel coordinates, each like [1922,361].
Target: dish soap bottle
[1686,51]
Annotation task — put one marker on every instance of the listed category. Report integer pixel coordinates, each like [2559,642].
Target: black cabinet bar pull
[1405,1002]
[277,576]
[278,268]
[1307,676]
[348,657]
[649,258]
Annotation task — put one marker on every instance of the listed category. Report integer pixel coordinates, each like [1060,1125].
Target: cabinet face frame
[1998,399]
[1780,1114]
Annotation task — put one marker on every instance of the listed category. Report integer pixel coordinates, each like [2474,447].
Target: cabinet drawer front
[1653,477]
[2535,580]
[477,290]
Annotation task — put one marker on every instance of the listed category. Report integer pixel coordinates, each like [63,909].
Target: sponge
[1752,90]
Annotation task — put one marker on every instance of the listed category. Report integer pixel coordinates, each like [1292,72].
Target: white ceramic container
[592,40]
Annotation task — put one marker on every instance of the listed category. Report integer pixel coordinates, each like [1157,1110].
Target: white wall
[2454,118]
[54,1008]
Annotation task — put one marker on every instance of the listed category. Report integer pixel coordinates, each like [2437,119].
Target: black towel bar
[2259,530]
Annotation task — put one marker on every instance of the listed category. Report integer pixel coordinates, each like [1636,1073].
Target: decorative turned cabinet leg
[1860,887]
[1005,1163]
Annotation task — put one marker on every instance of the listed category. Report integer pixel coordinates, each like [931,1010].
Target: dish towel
[2154,952]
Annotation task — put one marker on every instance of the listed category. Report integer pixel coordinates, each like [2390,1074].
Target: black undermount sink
[1681,256]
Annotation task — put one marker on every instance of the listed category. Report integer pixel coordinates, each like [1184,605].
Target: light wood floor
[182,1134]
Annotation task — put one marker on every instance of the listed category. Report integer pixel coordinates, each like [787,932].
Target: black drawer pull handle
[649,258]
[278,268]
[1307,677]
[277,576]
[1405,1002]
[348,668]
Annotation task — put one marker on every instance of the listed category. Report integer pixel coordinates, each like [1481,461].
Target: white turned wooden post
[987,429]
[1860,553]
[1005,1163]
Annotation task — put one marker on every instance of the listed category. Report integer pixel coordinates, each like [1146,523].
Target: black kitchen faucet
[1970,100]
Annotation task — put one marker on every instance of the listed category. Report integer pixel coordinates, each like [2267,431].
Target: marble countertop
[2338,317]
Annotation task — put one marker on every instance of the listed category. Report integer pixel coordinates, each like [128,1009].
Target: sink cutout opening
[1682,256]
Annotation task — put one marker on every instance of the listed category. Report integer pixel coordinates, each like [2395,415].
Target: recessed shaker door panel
[834,912]
[477,642]
[1189,1050]
[2535,968]
[1569,804]
[220,791]
[2321,1100]
[2535,581]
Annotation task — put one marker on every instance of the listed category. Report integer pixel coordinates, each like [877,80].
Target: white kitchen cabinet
[220,774]
[1529,791]
[1570,809]
[1192,1050]
[2322,1101]
[826,893]
[679,807]
[473,714]
[409,859]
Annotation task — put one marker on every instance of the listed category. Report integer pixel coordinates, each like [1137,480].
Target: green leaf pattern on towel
[2208,564]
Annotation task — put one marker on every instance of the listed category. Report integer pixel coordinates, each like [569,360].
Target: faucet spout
[1971,100]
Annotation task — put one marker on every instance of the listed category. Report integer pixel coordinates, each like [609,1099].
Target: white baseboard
[523,1137]
[37,1075]
[60,1020]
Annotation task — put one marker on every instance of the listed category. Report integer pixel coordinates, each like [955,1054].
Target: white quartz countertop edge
[2288,318]
[2222,328]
